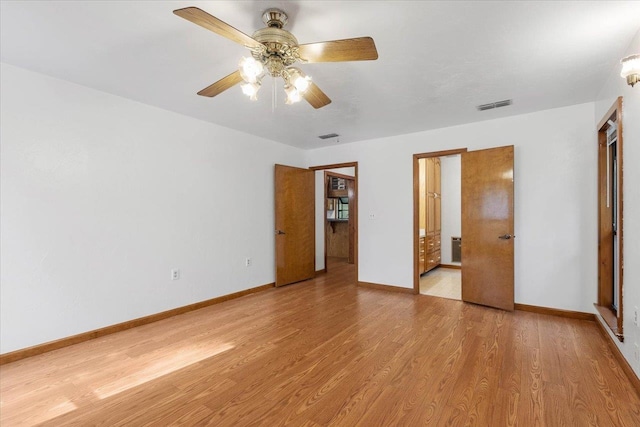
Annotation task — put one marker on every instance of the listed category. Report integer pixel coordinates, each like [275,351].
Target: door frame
[416,208]
[350,223]
[353,211]
[606,262]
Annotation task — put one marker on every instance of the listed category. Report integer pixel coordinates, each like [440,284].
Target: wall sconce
[631,69]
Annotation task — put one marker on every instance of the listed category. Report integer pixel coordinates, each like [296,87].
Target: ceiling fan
[274,51]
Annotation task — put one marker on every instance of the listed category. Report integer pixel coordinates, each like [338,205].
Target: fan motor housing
[277,42]
[274,18]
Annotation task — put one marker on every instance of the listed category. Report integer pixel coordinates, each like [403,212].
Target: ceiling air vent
[329,135]
[493,105]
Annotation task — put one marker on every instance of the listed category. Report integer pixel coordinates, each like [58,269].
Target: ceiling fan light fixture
[293,95]
[302,83]
[631,69]
[250,69]
[273,51]
[298,79]
[251,90]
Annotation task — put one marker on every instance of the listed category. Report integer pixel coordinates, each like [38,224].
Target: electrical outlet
[636,353]
[635,316]
[175,274]
[247,262]
[372,216]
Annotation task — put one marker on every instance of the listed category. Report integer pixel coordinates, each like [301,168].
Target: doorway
[300,218]
[339,190]
[439,219]
[487,225]
[336,218]
[445,279]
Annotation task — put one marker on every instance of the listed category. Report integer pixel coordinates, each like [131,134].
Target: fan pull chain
[273,94]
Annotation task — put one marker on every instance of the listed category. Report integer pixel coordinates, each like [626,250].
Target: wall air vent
[456,249]
[329,135]
[493,105]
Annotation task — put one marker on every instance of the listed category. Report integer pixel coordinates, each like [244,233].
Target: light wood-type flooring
[442,282]
[326,352]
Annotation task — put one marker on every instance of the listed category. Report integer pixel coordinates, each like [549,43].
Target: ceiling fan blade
[202,18]
[315,96]
[221,85]
[358,49]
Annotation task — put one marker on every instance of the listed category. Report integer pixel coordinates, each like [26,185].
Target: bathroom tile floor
[442,282]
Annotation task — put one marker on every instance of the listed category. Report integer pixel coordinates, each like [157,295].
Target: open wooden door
[353,213]
[487,227]
[295,224]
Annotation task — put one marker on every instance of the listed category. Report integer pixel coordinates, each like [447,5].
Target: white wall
[102,196]
[555,195]
[320,212]
[616,86]
[451,179]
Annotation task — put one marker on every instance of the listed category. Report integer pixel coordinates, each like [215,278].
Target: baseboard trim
[388,288]
[321,272]
[624,363]
[556,312]
[107,330]
[452,266]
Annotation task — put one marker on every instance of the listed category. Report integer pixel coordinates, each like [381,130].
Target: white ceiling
[437,60]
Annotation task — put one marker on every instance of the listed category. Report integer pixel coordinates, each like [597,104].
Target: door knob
[280,232]
[505,237]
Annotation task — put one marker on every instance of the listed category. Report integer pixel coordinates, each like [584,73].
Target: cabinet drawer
[433,243]
[433,259]
[422,265]
[430,243]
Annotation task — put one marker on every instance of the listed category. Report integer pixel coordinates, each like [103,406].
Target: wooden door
[437,188]
[295,224]
[487,227]
[353,212]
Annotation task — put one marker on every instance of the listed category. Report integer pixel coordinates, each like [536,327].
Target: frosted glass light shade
[293,95]
[302,83]
[299,80]
[251,90]
[631,69]
[250,69]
